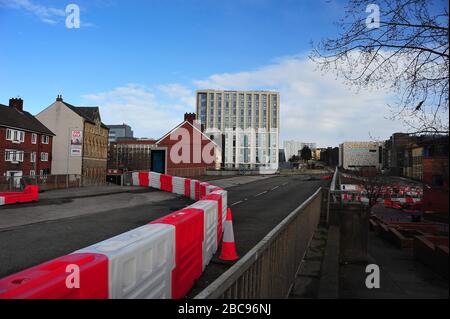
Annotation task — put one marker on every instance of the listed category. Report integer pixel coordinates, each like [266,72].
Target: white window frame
[33,138]
[32,172]
[15,136]
[44,157]
[13,156]
[33,157]
[9,134]
[45,139]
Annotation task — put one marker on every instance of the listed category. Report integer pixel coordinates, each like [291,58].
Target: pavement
[401,276]
[85,192]
[307,283]
[30,235]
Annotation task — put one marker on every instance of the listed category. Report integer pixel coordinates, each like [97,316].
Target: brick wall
[194,143]
[28,148]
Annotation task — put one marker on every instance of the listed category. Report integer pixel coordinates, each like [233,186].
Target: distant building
[316,154]
[330,156]
[394,152]
[292,148]
[81,142]
[119,131]
[435,176]
[25,143]
[356,155]
[130,154]
[281,156]
[245,123]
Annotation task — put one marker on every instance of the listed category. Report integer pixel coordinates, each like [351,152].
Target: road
[80,222]
[257,208]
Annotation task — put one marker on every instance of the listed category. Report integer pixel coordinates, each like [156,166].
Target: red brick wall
[191,168]
[27,147]
[435,166]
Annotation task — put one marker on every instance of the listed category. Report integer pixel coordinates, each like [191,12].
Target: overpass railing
[270,268]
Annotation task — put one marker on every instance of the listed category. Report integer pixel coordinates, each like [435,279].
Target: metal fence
[49,182]
[270,268]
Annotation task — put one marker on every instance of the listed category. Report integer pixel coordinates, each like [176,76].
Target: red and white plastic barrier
[140,262]
[29,194]
[159,260]
[189,237]
[210,243]
[49,280]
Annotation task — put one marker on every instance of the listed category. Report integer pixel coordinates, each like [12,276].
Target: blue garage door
[158,163]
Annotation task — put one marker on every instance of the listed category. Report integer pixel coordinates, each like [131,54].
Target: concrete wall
[60,120]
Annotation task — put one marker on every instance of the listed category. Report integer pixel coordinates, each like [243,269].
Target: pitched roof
[89,113]
[11,117]
[180,125]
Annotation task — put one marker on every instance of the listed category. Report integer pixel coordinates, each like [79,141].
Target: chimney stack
[16,103]
[190,117]
[59,98]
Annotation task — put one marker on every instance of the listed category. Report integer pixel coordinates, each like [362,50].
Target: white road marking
[260,194]
[275,188]
[236,203]
[285,184]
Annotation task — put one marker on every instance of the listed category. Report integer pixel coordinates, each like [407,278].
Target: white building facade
[292,148]
[356,155]
[245,123]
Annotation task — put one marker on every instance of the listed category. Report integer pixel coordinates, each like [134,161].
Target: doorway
[158,161]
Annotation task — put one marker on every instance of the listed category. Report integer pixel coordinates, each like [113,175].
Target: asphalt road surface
[257,208]
[97,219]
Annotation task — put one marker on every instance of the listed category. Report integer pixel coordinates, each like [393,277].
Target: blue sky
[141,62]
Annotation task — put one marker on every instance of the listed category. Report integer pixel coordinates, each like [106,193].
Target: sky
[141,62]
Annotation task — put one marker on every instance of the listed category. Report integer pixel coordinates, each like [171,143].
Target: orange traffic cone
[228,244]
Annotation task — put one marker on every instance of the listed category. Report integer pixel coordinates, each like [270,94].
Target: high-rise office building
[119,131]
[245,123]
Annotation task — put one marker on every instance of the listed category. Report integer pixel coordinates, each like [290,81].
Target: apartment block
[245,123]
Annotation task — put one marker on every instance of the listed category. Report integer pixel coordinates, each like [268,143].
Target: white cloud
[48,15]
[314,107]
[139,106]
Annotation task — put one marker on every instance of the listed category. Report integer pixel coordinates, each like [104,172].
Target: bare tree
[404,49]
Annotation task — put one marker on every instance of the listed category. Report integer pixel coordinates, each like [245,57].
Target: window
[202,99]
[13,156]
[219,111]
[32,173]
[45,139]
[437,180]
[33,138]
[15,136]
[33,157]
[44,157]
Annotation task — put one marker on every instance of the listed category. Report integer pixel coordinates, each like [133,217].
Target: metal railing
[49,182]
[270,268]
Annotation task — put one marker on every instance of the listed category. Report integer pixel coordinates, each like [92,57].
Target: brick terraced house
[25,143]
